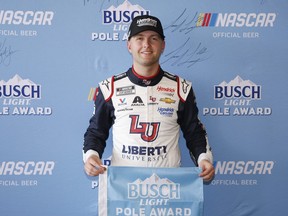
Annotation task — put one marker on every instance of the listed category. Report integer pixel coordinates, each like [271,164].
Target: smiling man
[146,107]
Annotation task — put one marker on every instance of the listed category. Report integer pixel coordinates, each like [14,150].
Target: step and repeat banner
[54,53]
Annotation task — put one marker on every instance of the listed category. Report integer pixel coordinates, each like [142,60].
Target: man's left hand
[208,171]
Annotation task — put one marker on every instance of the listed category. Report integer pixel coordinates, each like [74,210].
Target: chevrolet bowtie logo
[167,100]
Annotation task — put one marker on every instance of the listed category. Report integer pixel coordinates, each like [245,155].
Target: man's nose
[146,43]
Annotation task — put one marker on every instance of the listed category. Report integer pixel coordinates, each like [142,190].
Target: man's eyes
[156,38]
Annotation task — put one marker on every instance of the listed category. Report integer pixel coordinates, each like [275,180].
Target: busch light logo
[154,187]
[124,13]
[237,88]
[148,194]
[119,18]
[17,95]
[19,88]
[238,96]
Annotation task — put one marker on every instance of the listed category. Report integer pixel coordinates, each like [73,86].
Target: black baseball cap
[144,23]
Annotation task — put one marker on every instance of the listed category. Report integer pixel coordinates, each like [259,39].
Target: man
[146,107]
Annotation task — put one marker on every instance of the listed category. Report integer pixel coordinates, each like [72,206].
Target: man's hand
[207,170]
[93,166]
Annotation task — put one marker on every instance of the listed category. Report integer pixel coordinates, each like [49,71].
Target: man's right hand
[94,166]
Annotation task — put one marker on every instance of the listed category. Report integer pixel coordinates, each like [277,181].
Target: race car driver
[146,108]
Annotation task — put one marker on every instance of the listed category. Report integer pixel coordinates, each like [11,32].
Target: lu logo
[147,130]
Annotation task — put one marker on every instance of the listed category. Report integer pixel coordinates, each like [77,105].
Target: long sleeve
[193,130]
[98,131]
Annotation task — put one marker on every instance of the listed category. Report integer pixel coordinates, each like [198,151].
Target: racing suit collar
[145,81]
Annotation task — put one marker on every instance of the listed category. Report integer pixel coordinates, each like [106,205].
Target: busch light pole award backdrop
[54,53]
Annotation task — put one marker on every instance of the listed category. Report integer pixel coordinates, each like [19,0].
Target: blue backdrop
[53,54]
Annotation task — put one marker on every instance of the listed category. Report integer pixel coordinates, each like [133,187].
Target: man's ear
[163,46]
[129,46]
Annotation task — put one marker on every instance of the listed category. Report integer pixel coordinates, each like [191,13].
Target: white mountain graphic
[17,80]
[172,191]
[238,81]
[153,179]
[126,6]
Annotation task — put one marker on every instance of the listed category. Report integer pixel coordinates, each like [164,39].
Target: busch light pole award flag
[151,191]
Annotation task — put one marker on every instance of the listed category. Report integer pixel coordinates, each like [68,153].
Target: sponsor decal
[146,22]
[166,90]
[122,102]
[185,86]
[238,97]
[119,18]
[17,96]
[144,151]
[127,90]
[146,82]
[135,153]
[152,101]
[167,100]
[167,111]
[137,101]
[106,83]
[147,130]
[126,109]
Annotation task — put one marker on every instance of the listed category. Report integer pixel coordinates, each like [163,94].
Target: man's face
[146,48]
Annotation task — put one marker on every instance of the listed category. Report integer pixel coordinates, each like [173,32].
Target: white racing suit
[145,116]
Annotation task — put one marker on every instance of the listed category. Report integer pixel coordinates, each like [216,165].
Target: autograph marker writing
[183,23]
[186,55]
[6,53]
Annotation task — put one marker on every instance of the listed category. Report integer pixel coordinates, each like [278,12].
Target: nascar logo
[236,20]
[20,17]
